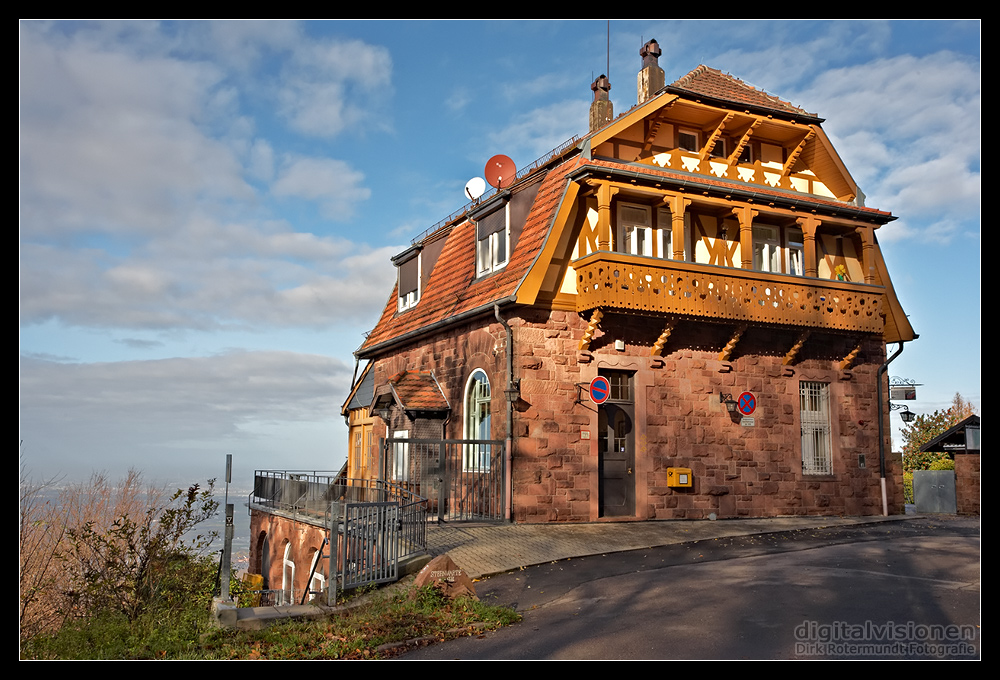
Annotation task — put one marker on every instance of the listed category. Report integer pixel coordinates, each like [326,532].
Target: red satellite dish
[500,171]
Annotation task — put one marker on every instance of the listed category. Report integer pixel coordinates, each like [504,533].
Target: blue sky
[207,209]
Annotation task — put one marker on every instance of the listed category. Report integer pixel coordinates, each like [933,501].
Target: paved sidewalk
[487,549]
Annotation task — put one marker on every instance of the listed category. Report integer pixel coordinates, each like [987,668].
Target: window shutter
[408,276]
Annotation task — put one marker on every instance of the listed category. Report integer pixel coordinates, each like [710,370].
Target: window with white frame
[796,252]
[766,249]
[409,283]
[477,421]
[665,234]
[400,457]
[635,229]
[814,416]
[720,148]
[492,241]
[688,140]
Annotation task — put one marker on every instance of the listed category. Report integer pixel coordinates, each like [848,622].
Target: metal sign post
[227,546]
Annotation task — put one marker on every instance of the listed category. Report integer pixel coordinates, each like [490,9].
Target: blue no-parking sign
[600,389]
[747,403]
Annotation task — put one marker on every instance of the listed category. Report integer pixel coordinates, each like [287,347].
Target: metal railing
[463,479]
[314,497]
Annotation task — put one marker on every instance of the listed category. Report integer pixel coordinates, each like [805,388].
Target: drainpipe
[510,394]
[881,427]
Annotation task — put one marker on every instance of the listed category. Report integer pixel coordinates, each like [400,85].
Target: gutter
[512,392]
[371,352]
[883,369]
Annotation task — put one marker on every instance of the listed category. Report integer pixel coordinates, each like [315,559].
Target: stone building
[709,255]
[707,243]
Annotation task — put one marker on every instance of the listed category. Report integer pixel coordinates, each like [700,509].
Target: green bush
[945,463]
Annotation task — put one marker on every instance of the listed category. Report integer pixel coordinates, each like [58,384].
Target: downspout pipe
[883,369]
[508,397]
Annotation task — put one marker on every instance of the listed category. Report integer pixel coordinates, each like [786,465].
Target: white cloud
[151,413]
[915,139]
[326,88]
[111,142]
[539,130]
[233,278]
[332,183]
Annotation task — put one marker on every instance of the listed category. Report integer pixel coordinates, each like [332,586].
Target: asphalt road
[898,590]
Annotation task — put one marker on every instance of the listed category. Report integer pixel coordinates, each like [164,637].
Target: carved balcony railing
[614,281]
[763,174]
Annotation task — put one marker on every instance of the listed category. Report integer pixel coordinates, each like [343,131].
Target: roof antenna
[608,68]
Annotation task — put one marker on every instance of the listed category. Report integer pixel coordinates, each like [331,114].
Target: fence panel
[370,545]
[463,479]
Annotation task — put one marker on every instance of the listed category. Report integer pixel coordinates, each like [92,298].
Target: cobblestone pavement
[486,549]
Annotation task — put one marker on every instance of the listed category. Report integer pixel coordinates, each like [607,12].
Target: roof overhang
[696,184]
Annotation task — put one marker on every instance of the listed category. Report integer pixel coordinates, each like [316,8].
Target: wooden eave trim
[822,139]
[789,205]
[630,118]
[904,331]
[526,291]
[350,395]
[754,109]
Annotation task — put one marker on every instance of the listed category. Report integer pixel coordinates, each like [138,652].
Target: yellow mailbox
[679,477]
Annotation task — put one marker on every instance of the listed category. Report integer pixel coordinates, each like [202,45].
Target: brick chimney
[651,79]
[601,111]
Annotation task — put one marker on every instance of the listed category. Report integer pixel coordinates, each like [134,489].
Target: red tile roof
[710,82]
[418,391]
[453,287]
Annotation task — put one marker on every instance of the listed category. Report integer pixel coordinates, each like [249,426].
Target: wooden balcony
[644,285]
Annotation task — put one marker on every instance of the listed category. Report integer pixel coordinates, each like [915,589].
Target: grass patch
[383,618]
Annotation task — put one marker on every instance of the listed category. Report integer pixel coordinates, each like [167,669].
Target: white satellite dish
[475,187]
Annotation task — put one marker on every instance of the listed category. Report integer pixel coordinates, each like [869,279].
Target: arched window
[288,577]
[477,421]
[318,584]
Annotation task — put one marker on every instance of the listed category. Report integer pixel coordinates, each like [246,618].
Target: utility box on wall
[679,477]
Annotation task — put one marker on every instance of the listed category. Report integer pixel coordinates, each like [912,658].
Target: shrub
[105,559]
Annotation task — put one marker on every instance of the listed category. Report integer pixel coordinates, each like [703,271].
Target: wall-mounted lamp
[513,392]
[904,412]
[385,413]
[728,400]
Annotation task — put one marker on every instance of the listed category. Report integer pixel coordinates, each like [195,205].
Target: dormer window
[492,241]
[688,140]
[408,271]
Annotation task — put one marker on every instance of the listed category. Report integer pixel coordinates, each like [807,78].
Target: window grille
[814,415]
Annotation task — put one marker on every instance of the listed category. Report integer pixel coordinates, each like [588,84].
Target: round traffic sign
[600,389]
[747,403]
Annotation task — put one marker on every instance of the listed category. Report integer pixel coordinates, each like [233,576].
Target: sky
[207,209]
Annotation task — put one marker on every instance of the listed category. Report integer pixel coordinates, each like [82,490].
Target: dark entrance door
[616,448]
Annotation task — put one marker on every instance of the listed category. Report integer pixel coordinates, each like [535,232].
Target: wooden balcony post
[809,226]
[867,252]
[605,192]
[745,215]
[678,204]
